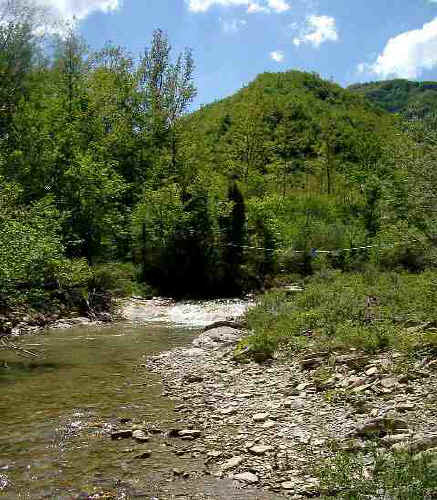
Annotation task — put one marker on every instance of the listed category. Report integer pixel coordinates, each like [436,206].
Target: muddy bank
[271,426]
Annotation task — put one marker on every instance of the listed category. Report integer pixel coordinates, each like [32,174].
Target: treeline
[99,163]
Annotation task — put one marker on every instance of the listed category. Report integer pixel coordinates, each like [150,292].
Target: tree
[167,91]
[16,54]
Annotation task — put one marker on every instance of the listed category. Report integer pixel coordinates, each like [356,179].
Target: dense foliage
[416,99]
[100,163]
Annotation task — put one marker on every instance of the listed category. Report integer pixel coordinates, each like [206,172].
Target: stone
[287,485]
[218,336]
[144,454]
[395,438]
[246,477]
[121,434]
[352,445]
[419,443]
[260,449]
[373,370]
[269,424]
[407,406]
[189,433]
[233,462]
[389,382]
[380,425]
[228,411]
[361,388]
[260,417]
[303,386]
[309,363]
[192,379]
[140,436]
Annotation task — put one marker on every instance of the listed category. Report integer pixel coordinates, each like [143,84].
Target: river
[56,411]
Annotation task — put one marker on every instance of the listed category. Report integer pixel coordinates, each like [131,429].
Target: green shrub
[397,476]
[117,278]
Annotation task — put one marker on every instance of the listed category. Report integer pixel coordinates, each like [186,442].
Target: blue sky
[234,40]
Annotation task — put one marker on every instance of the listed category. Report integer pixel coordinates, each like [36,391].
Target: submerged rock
[122,434]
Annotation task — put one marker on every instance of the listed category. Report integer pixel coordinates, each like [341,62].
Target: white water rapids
[191,314]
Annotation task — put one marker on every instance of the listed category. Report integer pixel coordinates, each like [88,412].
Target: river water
[55,411]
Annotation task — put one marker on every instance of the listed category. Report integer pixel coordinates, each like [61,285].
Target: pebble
[260,450]
[373,370]
[260,417]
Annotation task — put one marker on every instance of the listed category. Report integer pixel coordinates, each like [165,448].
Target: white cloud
[277,56]
[317,30]
[79,9]
[278,5]
[232,25]
[406,55]
[256,8]
[252,6]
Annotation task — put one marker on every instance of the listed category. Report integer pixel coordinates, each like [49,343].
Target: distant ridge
[417,99]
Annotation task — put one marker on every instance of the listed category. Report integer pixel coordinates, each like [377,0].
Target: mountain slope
[417,99]
[292,122]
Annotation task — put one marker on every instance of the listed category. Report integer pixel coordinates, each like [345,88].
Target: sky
[347,41]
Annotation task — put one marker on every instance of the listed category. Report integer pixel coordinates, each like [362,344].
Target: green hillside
[290,122]
[417,99]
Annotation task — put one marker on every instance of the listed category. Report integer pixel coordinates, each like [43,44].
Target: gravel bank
[270,426]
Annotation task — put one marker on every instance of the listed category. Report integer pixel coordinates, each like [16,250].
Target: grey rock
[260,449]
[218,336]
[233,462]
[260,417]
[246,477]
[140,436]
[195,433]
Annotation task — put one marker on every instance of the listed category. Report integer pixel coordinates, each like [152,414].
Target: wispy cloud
[406,55]
[277,56]
[232,25]
[317,30]
[251,6]
[79,9]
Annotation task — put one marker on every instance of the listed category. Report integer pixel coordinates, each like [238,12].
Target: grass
[370,312]
[380,476]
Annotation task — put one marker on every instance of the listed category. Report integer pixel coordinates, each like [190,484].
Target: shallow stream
[55,411]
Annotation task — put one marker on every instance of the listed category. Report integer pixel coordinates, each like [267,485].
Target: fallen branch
[6,344]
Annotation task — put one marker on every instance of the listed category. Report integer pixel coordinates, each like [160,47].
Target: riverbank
[18,323]
[274,425]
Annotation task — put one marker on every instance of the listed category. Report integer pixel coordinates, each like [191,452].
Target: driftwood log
[231,324]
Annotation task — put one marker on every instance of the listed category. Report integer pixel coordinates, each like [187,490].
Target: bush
[117,278]
[370,311]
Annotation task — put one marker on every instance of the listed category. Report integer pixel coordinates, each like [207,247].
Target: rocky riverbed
[271,426]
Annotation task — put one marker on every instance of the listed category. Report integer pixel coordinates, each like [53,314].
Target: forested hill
[401,96]
[290,121]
